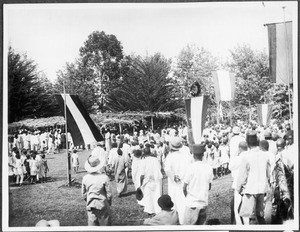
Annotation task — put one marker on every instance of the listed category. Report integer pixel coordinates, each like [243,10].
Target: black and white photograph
[150,116]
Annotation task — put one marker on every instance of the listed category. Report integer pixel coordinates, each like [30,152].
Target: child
[19,169]
[11,167]
[166,216]
[224,159]
[33,164]
[75,161]
[216,160]
[43,169]
[96,191]
[27,167]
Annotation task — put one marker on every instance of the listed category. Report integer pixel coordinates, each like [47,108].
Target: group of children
[28,166]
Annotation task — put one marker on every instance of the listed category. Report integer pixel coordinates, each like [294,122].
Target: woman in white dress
[151,181]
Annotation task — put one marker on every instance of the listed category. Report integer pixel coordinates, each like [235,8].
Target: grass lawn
[54,200]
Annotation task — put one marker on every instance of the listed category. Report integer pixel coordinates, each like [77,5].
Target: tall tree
[252,72]
[145,87]
[102,53]
[80,80]
[195,64]
[28,89]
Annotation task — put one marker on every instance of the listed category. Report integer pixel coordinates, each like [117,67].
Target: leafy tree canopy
[29,90]
[145,87]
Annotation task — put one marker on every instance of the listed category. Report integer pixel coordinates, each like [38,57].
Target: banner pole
[66,131]
[286,57]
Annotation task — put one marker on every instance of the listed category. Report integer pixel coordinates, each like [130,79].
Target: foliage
[79,80]
[28,89]
[145,87]
[102,55]
[195,64]
[278,96]
[252,74]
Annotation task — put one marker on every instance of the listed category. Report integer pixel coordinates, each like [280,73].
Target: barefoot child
[43,168]
[75,161]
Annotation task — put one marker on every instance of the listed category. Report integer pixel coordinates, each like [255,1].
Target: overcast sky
[51,34]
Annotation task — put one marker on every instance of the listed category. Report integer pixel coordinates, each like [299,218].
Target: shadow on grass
[128,194]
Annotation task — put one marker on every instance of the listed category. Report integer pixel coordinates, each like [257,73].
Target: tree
[252,74]
[79,79]
[102,54]
[145,87]
[195,64]
[278,96]
[28,89]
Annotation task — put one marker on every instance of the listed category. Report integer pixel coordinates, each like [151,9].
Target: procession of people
[260,159]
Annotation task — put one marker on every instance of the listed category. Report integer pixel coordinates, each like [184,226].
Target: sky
[51,34]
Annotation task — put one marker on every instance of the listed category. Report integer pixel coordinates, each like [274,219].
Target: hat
[139,194]
[198,148]
[267,134]
[101,143]
[43,223]
[176,143]
[251,138]
[165,202]
[236,130]
[93,164]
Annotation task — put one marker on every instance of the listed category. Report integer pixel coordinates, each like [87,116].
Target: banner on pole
[82,128]
[264,113]
[280,39]
[196,109]
[224,83]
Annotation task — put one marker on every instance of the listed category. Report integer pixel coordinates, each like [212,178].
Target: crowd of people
[260,159]
[27,154]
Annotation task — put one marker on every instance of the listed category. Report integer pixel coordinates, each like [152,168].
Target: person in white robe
[176,166]
[151,182]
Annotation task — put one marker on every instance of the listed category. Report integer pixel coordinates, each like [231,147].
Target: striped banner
[281,52]
[264,113]
[224,83]
[196,109]
[81,126]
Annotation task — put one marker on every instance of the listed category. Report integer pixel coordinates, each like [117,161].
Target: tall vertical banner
[196,109]
[224,83]
[82,128]
[280,39]
[264,113]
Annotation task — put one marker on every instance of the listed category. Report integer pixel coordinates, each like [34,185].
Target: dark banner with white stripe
[281,52]
[264,114]
[196,109]
[82,128]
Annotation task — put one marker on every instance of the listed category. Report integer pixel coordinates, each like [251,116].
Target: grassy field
[55,200]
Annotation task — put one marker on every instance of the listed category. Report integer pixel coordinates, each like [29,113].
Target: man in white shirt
[253,181]
[234,166]
[197,183]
